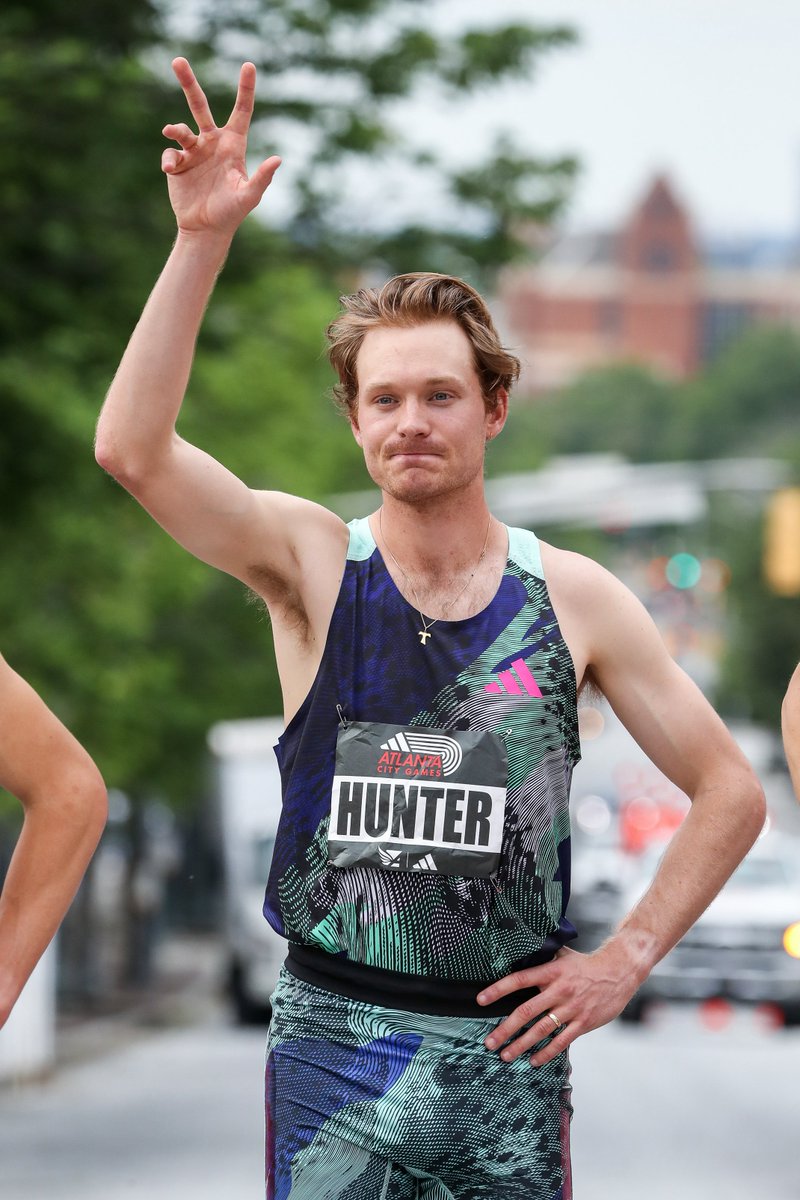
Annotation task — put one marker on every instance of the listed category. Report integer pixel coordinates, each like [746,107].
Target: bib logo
[426,755]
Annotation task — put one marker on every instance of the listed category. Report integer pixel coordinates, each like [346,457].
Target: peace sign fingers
[195,96]
[242,111]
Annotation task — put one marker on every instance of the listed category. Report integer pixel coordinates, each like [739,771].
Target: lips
[413,452]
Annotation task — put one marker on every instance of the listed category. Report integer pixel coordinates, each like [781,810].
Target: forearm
[717,832]
[57,841]
[138,419]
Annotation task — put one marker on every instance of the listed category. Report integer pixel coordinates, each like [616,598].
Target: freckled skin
[421,418]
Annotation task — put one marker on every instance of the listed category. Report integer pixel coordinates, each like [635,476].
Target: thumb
[171,161]
[262,177]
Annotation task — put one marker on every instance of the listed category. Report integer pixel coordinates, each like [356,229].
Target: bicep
[662,708]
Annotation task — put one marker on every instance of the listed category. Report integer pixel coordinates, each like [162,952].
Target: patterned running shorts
[372,1103]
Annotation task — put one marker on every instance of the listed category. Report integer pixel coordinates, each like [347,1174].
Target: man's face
[421,419]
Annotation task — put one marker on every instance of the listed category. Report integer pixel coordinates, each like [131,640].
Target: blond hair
[415,299]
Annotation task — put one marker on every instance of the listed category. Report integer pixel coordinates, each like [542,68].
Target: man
[790,727]
[65,810]
[430,700]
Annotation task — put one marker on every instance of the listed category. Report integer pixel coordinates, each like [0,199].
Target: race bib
[407,798]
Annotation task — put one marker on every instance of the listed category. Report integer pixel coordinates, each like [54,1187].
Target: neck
[436,538]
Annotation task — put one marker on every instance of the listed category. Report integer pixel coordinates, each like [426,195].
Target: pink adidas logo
[509,684]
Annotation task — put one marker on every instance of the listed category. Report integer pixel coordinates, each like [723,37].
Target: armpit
[282,599]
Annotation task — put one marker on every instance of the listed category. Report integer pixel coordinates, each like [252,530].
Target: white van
[248,789]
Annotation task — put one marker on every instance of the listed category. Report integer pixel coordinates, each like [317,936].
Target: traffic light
[782,542]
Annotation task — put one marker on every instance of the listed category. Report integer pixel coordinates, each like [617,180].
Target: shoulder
[567,568]
[583,588]
[607,628]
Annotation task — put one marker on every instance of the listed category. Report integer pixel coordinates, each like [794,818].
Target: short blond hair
[415,299]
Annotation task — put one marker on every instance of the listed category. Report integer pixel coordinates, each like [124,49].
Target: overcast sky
[707,90]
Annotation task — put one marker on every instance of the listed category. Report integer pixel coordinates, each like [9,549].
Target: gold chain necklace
[424,633]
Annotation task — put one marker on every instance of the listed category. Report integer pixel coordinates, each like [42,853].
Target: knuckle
[529,1010]
[503,1032]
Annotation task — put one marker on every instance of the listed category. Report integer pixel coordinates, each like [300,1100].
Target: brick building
[651,292]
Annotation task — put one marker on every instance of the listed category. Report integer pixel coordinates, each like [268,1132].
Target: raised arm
[790,727]
[65,810]
[197,500]
[613,637]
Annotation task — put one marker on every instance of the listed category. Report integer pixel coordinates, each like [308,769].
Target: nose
[414,419]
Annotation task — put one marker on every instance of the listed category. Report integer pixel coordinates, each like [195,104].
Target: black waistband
[393,989]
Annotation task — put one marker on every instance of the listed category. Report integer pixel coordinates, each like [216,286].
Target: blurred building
[651,292]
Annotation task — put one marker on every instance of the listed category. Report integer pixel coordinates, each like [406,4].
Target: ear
[354,429]
[496,417]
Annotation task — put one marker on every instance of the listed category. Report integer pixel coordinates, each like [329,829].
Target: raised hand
[209,188]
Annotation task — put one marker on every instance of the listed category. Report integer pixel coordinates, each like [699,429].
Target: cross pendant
[423,636]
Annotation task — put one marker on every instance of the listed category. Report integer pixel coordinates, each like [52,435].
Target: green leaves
[481,56]
[394,71]
[136,645]
[332,74]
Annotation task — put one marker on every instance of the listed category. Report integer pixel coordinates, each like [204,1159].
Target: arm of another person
[790,727]
[65,806]
[680,732]
[262,538]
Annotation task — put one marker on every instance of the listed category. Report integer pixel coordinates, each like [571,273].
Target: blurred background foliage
[136,646]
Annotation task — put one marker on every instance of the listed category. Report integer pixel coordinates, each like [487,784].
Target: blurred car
[745,946]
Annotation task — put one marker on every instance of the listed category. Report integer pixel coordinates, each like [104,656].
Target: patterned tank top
[507,671]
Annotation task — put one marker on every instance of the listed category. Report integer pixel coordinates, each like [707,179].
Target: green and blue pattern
[369,1103]
[506,670]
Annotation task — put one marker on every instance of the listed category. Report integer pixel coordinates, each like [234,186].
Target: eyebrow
[434,381]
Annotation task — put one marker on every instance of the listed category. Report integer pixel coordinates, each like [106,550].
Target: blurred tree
[85,225]
[764,641]
[621,409]
[333,75]
[138,647]
[746,402]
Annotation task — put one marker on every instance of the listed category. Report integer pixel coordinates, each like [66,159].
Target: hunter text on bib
[407,798]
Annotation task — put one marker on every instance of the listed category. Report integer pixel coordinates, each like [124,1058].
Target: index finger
[195,96]
[510,983]
[242,111]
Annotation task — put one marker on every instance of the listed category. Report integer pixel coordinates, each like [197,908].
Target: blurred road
[664,1111]
[678,1110]
[172,1114]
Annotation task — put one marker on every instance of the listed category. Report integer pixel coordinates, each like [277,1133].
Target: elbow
[119,465]
[753,806]
[96,801]
[110,457]
[132,465]
[84,802]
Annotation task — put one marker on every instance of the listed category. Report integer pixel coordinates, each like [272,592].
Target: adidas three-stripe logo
[509,684]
